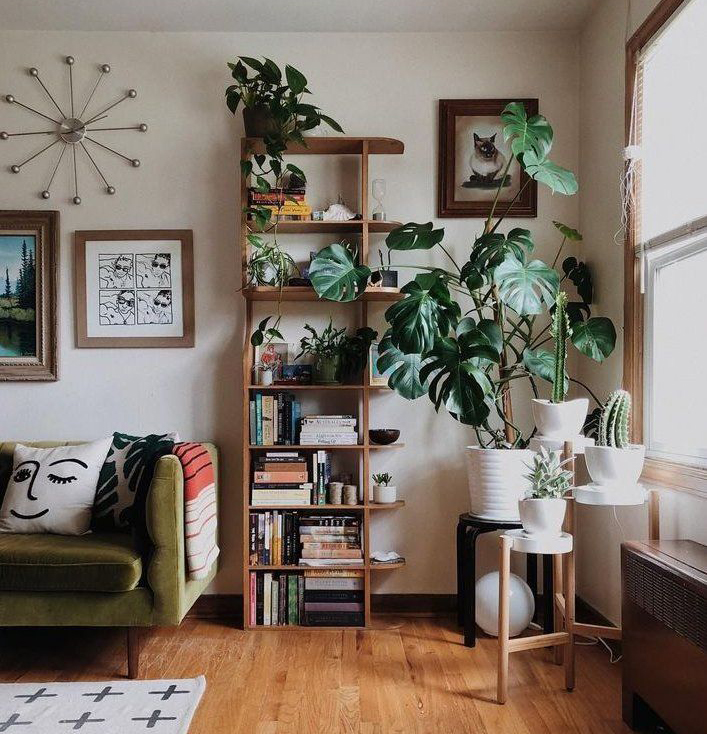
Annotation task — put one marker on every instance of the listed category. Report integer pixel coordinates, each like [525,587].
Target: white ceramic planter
[384,495]
[611,466]
[542,516]
[559,420]
[496,481]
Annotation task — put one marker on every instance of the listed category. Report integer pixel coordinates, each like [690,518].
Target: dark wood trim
[133,645]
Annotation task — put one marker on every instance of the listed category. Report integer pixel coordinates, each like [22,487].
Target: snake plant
[613,425]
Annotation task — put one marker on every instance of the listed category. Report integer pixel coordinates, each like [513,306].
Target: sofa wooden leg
[133,652]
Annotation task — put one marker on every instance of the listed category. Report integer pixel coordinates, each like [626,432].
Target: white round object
[559,420]
[521,608]
[384,494]
[611,495]
[542,516]
[608,465]
[497,481]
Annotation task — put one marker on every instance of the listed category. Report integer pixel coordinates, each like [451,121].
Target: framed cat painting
[473,157]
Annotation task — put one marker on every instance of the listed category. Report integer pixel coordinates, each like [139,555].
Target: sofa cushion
[94,562]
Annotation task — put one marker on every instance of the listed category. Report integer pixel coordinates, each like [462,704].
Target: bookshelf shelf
[366,231]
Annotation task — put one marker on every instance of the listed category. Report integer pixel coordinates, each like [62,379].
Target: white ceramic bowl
[608,465]
[542,516]
[559,420]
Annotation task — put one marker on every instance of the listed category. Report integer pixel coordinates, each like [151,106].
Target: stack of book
[335,430]
[276,599]
[273,538]
[281,478]
[330,540]
[289,204]
[273,419]
[334,598]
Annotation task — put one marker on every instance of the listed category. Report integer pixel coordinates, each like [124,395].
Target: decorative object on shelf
[543,508]
[378,190]
[73,130]
[134,288]
[262,375]
[29,252]
[467,363]
[350,494]
[383,491]
[338,212]
[271,357]
[478,165]
[377,378]
[614,461]
[383,436]
[335,490]
[295,374]
[318,215]
[386,557]
[522,604]
[385,276]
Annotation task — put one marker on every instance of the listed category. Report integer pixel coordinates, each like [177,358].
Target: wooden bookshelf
[363,228]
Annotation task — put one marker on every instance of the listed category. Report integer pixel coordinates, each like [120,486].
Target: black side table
[469,528]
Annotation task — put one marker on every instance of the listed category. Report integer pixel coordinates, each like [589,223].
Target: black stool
[469,528]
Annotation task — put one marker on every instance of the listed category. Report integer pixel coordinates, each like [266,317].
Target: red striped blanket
[200,517]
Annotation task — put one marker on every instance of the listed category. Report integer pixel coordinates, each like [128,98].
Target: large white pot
[560,420]
[384,494]
[611,466]
[496,481]
[542,516]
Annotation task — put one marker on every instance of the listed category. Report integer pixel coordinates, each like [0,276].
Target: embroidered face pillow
[52,490]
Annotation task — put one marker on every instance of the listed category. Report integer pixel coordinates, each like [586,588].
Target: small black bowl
[383,436]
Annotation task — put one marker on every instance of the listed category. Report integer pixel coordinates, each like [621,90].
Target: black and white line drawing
[154,306]
[154,270]
[116,308]
[116,271]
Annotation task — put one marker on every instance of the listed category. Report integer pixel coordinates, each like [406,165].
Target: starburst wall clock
[73,131]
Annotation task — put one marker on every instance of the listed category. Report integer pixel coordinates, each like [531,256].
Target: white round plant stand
[608,495]
[557,444]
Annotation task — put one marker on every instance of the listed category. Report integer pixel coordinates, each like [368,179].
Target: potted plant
[384,492]
[542,510]
[268,263]
[385,276]
[468,334]
[614,461]
[557,418]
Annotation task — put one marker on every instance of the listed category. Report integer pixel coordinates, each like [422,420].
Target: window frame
[677,474]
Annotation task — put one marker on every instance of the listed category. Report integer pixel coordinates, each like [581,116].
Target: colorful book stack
[330,540]
[333,598]
[276,599]
[290,204]
[273,419]
[282,478]
[335,430]
[274,538]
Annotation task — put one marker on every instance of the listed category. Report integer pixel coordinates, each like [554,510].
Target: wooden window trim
[676,475]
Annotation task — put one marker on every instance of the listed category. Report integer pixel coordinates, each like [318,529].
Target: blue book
[296,413]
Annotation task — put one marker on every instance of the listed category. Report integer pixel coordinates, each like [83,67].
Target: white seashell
[338,213]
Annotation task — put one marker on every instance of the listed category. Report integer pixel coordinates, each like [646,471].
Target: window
[670,235]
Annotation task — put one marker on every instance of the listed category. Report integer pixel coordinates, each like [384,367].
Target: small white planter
[384,494]
[611,466]
[542,516]
[560,420]
[496,481]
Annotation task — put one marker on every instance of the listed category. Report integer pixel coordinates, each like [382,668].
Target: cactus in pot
[560,331]
[613,424]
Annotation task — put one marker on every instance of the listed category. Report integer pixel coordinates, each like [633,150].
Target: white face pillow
[52,490]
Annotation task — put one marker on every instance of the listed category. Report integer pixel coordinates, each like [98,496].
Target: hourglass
[378,191]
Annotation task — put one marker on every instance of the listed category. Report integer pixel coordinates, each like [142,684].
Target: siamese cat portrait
[486,161]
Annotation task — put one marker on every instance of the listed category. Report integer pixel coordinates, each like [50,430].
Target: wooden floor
[410,676]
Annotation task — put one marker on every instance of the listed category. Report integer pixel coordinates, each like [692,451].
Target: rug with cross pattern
[115,707]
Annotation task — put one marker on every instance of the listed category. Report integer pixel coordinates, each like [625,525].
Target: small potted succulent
[614,460]
[557,418]
[542,510]
[384,493]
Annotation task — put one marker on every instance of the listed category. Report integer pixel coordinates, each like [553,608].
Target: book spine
[268,439]
[333,595]
[281,419]
[280,477]
[321,491]
[292,616]
[296,412]
[334,553]
[282,599]
[328,584]
[267,599]
[334,619]
[259,419]
[339,606]
[261,539]
[252,600]
[252,425]
[274,602]
[253,538]
[259,606]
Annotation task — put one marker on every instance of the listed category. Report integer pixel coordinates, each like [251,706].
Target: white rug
[115,707]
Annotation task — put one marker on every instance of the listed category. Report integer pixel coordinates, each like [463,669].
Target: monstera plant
[463,334]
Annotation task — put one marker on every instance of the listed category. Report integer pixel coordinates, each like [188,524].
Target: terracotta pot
[542,516]
[258,121]
[559,420]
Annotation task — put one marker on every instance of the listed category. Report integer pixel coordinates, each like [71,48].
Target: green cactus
[561,331]
[613,425]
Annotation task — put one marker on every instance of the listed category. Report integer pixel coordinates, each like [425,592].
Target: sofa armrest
[167,572]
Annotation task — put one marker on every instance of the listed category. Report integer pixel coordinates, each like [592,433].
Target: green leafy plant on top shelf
[384,479]
[465,334]
[547,478]
[613,424]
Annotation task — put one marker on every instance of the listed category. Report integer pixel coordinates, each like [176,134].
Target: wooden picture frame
[134,288]
[29,274]
[465,141]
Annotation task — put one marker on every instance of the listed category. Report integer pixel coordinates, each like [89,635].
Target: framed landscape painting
[134,288]
[29,243]
[473,157]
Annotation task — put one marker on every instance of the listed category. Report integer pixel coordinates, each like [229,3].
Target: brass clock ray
[71,131]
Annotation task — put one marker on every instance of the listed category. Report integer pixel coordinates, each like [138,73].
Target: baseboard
[589,614]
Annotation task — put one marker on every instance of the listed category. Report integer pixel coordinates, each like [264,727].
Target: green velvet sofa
[99,579]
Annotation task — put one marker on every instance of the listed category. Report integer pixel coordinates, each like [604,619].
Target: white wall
[602,65]
[374,85]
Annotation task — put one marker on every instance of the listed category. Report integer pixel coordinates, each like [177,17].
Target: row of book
[274,419]
[314,598]
[288,204]
[335,430]
[290,478]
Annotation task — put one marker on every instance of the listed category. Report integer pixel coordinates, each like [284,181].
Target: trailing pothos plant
[465,334]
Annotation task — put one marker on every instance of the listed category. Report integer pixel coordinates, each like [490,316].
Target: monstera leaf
[568,232]
[405,377]
[412,236]
[490,250]
[486,338]
[526,134]
[556,178]
[541,363]
[595,337]
[335,276]
[458,382]
[426,312]
[524,287]
[579,274]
